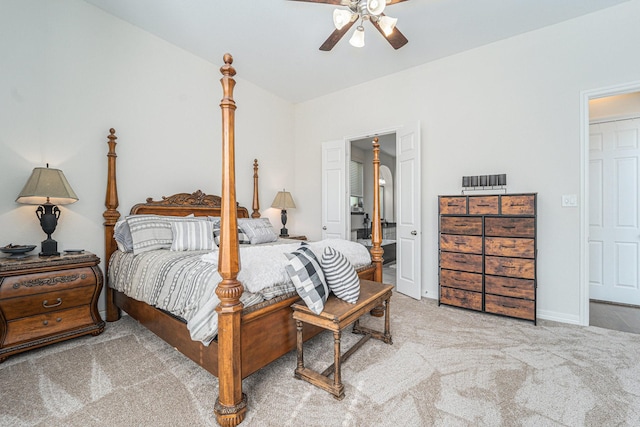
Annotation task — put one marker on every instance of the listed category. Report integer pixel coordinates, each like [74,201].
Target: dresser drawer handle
[46,304]
[509,306]
[453,204]
[508,246]
[508,227]
[509,286]
[484,205]
[517,204]
[46,322]
[507,266]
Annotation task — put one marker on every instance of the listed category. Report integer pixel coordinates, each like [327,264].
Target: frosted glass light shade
[357,39]
[387,24]
[341,18]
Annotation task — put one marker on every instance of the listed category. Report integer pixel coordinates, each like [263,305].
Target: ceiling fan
[364,10]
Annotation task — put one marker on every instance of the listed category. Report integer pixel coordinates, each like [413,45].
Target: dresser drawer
[461,280]
[14,308]
[30,328]
[513,307]
[460,298]
[510,267]
[505,246]
[509,227]
[460,243]
[462,262]
[471,226]
[486,205]
[510,287]
[453,205]
[524,204]
[35,283]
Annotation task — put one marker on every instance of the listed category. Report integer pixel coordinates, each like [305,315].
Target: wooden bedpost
[231,404]
[111,216]
[376,225]
[256,201]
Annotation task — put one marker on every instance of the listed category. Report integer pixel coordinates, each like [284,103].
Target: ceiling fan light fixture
[387,24]
[357,39]
[341,18]
[376,7]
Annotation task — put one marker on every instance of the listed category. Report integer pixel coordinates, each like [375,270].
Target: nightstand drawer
[15,308]
[35,283]
[47,324]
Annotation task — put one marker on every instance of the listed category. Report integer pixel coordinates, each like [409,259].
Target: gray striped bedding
[183,282]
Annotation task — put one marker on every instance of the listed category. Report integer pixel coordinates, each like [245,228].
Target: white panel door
[334,189]
[614,211]
[408,228]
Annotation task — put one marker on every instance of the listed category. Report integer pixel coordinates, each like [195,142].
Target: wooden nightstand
[44,300]
[297,237]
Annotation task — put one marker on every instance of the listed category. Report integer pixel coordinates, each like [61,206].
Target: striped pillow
[150,232]
[259,230]
[192,235]
[306,274]
[340,274]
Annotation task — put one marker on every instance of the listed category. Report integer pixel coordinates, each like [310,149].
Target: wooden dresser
[487,252]
[44,300]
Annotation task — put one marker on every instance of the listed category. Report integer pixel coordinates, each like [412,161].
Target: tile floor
[612,316]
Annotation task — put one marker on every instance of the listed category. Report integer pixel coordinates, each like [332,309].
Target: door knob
[414,233]
[324,227]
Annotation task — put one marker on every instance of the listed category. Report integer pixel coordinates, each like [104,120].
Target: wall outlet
[569,200]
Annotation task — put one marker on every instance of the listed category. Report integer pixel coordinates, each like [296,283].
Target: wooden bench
[336,316]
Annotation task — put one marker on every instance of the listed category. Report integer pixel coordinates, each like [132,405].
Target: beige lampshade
[283,200]
[47,183]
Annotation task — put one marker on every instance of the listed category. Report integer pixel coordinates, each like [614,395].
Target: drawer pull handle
[508,227]
[59,319]
[508,246]
[507,266]
[46,304]
[484,205]
[509,306]
[46,322]
[453,204]
[517,204]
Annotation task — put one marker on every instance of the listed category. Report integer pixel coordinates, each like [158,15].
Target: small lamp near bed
[47,188]
[283,201]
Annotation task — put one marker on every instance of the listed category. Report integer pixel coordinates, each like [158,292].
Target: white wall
[510,107]
[70,72]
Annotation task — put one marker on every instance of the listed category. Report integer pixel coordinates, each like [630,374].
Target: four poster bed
[248,338]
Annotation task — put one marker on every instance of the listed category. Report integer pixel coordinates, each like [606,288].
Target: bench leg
[338,388]
[387,327]
[299,344]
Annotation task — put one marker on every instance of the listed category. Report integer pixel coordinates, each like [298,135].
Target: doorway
[610,212]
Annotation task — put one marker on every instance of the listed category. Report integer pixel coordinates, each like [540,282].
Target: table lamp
[283,201]
[47,188]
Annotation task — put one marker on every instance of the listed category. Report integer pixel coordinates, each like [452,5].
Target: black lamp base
[283,217]
[49,248]
[284,232]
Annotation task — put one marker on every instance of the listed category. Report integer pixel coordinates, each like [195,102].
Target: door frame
[585,97]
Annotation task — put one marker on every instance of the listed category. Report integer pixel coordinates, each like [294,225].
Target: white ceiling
[275,42]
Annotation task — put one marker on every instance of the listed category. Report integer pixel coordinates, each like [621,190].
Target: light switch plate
[569,200]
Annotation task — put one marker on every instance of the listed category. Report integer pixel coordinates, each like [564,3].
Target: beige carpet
[447,367]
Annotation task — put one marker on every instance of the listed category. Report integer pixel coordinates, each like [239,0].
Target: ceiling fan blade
[396,38]
[335,37]
[335,2]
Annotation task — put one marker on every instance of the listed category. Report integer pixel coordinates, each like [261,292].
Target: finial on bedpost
[256,201]
[111,216]
[231,404]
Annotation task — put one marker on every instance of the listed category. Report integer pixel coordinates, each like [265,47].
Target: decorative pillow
[122,234]
[242,238]
[192,235]
[149,232]
[341,277]
[306,274]
[259,230]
